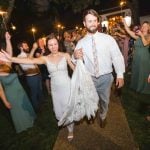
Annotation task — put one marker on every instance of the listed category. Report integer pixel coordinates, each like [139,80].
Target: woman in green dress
[21,110]
[141,58]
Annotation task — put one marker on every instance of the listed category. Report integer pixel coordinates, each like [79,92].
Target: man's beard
[92,30]
[26,50]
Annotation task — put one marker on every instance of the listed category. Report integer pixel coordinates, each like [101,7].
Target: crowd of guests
[21,87]
[134,44]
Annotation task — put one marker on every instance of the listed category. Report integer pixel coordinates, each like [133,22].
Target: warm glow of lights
[62,27]
[2,12]
[77,27]
[13,27]
[113,18]
[33,30]
[58,26]
[122,3]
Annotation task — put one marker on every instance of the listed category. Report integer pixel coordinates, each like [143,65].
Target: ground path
[115,136]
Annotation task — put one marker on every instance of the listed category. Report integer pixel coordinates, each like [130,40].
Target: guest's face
[25,47]
[145,27]
[41,43]
[53,45]
[67,36]
[91,23]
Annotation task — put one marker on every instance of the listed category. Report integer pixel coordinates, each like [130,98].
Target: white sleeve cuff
[120,75]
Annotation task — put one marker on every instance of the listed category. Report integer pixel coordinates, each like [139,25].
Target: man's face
[91,23]
[25,47]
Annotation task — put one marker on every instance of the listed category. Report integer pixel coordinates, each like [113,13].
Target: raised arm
[34,47]
[131,33]
[7,58]
[8,44]
[120,35]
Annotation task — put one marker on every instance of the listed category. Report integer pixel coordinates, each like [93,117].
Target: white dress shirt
[108,54]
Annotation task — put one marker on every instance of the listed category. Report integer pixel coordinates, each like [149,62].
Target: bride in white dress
[72,99]
[56,63]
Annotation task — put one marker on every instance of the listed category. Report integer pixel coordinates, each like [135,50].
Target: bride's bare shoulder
[45,57]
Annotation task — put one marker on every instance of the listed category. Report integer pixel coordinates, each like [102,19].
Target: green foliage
[137,107]
[79,5]
[75,5]
[4,3]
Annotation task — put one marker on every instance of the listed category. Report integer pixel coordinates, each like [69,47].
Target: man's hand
[119,82]
[78,53]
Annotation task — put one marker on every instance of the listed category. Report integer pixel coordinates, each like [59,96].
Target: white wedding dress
[83,100]
[60,85]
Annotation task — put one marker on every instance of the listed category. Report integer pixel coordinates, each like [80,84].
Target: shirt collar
[92,35]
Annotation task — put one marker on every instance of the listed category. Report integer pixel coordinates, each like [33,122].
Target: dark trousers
[35,90]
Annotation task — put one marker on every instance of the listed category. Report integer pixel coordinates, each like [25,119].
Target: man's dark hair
[92,12]
[147,22]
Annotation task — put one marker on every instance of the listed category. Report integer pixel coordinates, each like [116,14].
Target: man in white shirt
[32,75]
[100,66]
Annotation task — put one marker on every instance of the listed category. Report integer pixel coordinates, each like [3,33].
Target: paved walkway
[115,136]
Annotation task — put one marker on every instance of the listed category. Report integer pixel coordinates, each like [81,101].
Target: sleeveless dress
[60,85]
[22,113]
[140,68]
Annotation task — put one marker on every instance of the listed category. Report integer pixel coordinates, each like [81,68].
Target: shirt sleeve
[117,58]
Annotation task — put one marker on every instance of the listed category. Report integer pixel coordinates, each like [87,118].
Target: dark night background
[23,17]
